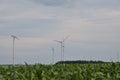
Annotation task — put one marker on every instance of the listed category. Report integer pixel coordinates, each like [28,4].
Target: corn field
[104,71]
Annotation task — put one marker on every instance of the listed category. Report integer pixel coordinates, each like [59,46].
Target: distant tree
[79,62]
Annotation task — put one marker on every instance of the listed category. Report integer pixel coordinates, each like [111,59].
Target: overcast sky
[93,26]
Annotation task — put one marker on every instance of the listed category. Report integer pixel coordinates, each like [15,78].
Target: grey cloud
[97,4]
[54,3]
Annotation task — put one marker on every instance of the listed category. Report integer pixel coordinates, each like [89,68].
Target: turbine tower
[53,52]
[14,37]
[117,56]
[62,46]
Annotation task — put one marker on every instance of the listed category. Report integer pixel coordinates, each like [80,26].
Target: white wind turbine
[117,56]
[14,37]
[53,55]
[62,47]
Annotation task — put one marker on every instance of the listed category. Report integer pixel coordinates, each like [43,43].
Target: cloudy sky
[93,26]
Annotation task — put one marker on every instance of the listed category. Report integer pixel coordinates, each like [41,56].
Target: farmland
[101,71]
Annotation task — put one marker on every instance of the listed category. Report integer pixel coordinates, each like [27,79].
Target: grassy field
[104,71]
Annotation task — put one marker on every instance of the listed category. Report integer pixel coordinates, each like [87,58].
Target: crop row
[106,71]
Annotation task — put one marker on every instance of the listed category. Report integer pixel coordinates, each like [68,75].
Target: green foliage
[106,71]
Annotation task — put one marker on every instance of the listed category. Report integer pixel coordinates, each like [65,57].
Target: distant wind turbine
[14,37]
[117,56]
[62,46]
[53,53]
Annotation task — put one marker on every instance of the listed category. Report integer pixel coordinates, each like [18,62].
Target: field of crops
[106,71]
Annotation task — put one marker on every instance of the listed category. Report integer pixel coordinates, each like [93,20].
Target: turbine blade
[66,38]
[58,41]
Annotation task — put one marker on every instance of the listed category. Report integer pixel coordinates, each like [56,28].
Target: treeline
[79,62]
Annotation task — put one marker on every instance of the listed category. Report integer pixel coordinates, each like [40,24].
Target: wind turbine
[62,46]
[117,56]
[53,55]
[14,37]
